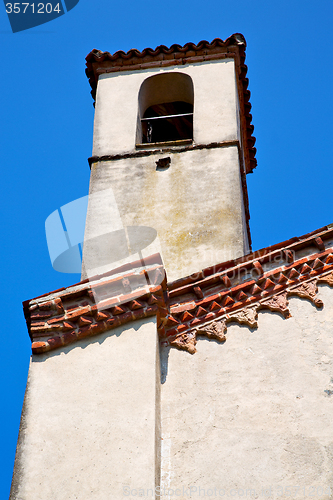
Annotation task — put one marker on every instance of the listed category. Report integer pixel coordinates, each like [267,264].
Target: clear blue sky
[47,122]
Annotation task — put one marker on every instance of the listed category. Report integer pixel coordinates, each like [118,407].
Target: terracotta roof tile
[195,305]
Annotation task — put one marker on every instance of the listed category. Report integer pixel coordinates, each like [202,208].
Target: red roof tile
[196,305]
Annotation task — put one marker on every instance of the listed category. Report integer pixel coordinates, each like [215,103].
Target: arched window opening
[166,109]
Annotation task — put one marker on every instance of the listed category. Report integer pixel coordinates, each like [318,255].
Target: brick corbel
[209,314]
[204,305]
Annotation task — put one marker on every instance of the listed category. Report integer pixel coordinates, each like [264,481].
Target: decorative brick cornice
[202,304]
[99,62]
[96,305]
[238,290]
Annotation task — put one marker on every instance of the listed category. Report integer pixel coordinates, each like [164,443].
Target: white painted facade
[89,419]
[253,414]
[196,204]
[117,105]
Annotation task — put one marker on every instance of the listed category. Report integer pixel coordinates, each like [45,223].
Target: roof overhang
[201,304]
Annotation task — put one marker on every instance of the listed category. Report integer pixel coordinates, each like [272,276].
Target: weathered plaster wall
[254,413]
[250,417]
[215,105]
[89,423]
[195,205]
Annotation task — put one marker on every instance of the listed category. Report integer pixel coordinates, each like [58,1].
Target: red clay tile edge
[201,304]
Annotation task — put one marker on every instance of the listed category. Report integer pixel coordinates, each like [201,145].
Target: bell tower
[172,146]
[173,141]
[141,386]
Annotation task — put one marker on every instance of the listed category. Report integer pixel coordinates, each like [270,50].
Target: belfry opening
[166,104]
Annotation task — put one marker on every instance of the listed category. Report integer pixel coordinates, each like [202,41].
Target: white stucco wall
[250,418]
[195,205]
[89,422]
[253,414]
[215,105]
